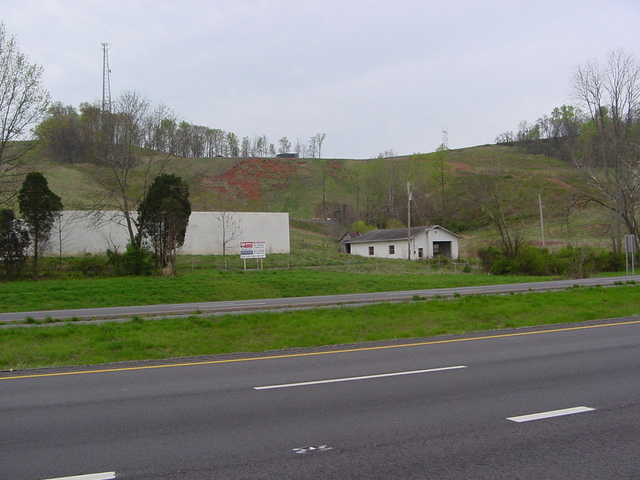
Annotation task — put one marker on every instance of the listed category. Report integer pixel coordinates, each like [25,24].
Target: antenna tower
[445,138]
[106,80]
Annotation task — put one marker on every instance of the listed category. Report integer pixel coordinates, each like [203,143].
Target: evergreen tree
[39,207]
[163,217]
[14,242]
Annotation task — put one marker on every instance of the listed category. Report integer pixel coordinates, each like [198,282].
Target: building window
[371,251]
[392,249]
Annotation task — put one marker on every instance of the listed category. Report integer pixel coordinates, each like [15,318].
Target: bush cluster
[573,262]
[134,261]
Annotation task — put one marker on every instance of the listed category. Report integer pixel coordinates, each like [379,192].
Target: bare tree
[610,158]
[388,154]
[440,176]
[261,146]
[233,145]
[285,145]
[230,228]
[218,142]
[319,140]
[245,150]
[131,171]
[300,149]
[493,202]
[159,129]
[505,137]
[312,150]
[23,102]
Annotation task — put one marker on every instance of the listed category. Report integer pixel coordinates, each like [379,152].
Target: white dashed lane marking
[551,414]
[90,476]
[350,379]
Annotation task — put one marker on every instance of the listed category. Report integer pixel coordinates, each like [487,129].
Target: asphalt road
[305,302]
[454,407]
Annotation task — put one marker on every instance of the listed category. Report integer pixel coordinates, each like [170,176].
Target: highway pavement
[546,402]
[306,302]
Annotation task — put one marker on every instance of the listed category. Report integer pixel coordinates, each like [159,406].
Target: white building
[208,233]
[426,242]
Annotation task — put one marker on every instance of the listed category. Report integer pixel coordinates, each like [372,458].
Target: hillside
[444,189]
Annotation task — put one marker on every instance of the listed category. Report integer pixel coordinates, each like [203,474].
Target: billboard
[253,250]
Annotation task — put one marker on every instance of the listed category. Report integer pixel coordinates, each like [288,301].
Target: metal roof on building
[395,234]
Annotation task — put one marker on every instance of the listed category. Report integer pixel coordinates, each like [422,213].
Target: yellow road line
[330,352]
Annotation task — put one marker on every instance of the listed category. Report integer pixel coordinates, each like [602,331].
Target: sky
[374,76]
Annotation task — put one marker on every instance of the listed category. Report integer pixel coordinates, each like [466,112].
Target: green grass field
[213,285]
[84,344]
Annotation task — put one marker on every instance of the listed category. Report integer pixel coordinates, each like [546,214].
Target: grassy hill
[318,188]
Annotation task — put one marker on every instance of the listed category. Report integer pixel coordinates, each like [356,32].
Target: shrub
[532,261]
[134,261]
[362,227]
[91,265]
[574,262]
[489,257]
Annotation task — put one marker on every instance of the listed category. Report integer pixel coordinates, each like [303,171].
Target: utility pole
[541,220]
[409,198]
[106,81]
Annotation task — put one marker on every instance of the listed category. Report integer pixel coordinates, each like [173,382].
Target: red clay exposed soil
[251,177]
[333,168]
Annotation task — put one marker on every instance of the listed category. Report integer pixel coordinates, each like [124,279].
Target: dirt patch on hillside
[461,167]
[250,178]
[562,184]
[333,168]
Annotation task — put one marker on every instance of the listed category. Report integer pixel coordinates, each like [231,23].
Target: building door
[442,249]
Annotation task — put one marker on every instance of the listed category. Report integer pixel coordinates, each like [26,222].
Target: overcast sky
[373,75]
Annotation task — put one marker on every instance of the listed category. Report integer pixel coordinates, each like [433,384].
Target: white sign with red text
[253,250]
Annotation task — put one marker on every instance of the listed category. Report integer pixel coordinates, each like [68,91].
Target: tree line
[72,135]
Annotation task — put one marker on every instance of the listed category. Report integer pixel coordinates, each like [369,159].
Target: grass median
[212,285]
[85,344]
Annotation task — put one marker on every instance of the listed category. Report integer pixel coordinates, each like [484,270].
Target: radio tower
[106,82]
[445,138]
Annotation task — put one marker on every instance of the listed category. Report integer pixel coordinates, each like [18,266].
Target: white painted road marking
[316,448]
[91,476]
[551,414]
[349,379]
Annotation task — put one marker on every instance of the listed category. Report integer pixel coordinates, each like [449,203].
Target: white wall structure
[426,242]
[208,233]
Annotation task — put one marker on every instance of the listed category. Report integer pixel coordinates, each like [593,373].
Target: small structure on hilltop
[426,242]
